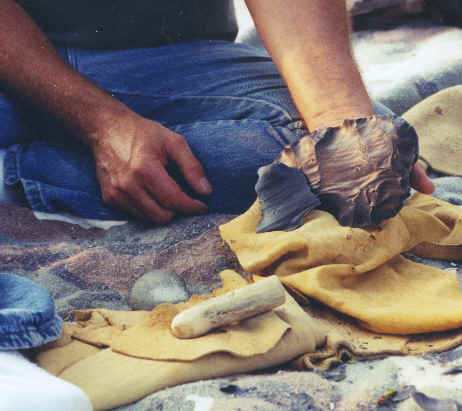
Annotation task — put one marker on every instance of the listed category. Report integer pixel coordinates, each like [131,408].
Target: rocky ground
[426,382]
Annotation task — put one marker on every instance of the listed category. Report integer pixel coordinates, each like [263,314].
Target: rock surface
[360,172]
[157,287]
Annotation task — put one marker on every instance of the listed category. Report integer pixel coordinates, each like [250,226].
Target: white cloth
[25,387]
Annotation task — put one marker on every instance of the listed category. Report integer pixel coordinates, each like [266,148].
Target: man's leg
[226,99]
[232,133]
[44,167]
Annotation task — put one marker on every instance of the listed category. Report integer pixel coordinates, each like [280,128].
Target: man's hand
[420,180]
[131,152]
[131,159]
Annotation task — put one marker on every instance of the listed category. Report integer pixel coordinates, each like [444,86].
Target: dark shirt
[132,23]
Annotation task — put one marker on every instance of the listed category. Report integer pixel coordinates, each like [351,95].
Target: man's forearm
[309,42]
[31,68]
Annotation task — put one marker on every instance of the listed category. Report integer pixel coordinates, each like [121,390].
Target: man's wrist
[326,100]
[335,117]
[103,122]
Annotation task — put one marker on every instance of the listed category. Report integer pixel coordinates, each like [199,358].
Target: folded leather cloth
[438,122]
[347,341]
[361,272]
[118,357]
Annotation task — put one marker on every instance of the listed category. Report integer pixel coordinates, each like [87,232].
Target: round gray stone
[156,287]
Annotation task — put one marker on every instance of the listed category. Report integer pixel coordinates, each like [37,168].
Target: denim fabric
[226,99]
[27,314]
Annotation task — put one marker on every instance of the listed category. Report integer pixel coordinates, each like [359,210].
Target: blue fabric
[27,314]
[226,99]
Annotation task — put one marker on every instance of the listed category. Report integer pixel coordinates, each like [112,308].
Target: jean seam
[36,193]
[71,58]
[299,127]
[33,195]
[296,128]
[10,164]
[286,114]
[49,331]
[223,121]
[42,326]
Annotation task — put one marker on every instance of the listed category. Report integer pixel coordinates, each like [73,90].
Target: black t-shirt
[132,23]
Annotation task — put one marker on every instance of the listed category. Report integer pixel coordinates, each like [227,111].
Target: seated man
[116,108]
[147,109]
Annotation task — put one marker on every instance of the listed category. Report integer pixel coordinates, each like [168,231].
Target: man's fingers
[420,181]
[180,152]
[152,210]
[139,203]
[167,192]
[132,174]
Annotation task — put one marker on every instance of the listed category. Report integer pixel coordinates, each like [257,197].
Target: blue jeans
[27,314]
[226,99]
